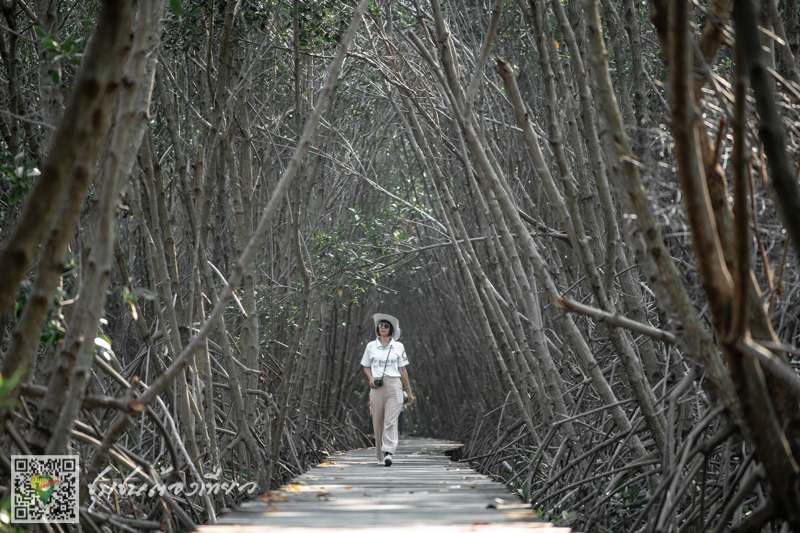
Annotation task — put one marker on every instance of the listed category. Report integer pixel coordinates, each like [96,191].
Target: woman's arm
[407,383]
[368,372]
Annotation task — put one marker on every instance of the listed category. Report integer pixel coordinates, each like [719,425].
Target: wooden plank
[422,490]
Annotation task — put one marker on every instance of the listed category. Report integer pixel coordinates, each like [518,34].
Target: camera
[378,382]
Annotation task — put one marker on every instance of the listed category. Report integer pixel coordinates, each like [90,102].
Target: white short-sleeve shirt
[376,356]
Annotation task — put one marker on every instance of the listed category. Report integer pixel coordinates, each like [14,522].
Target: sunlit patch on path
[423,490]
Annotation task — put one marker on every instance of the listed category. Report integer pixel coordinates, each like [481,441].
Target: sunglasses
[383,325]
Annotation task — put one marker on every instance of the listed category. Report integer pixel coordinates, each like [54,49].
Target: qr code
[45,488]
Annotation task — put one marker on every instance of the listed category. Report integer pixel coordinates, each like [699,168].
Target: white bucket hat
[377,317]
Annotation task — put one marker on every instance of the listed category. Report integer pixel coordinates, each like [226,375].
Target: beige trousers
[387,402]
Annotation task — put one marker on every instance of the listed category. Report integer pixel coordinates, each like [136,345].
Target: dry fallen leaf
[271,497]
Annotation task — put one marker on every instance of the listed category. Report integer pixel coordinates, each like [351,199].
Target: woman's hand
[407,384]
[370,378]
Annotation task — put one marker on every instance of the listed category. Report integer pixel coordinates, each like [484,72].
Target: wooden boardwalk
[422,491]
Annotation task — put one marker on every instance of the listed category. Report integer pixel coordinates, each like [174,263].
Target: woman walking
[384,363]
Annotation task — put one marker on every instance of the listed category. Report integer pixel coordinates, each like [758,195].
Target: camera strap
[387,361]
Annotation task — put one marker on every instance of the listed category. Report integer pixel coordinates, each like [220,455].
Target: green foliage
[54,327]
[630,498]
[52,332]
[176,7]
[69,274]
[129,296]
[322,22]
[17,175]
[257,12]
[403,14]
[22,299]
[7,386]
[70,50]
[353,257]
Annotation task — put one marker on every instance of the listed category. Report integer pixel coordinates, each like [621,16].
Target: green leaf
[7,386]
[15,195]
[56,77]
[176,6]
[39,31]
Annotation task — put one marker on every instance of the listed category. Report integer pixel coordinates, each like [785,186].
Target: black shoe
[387,461]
